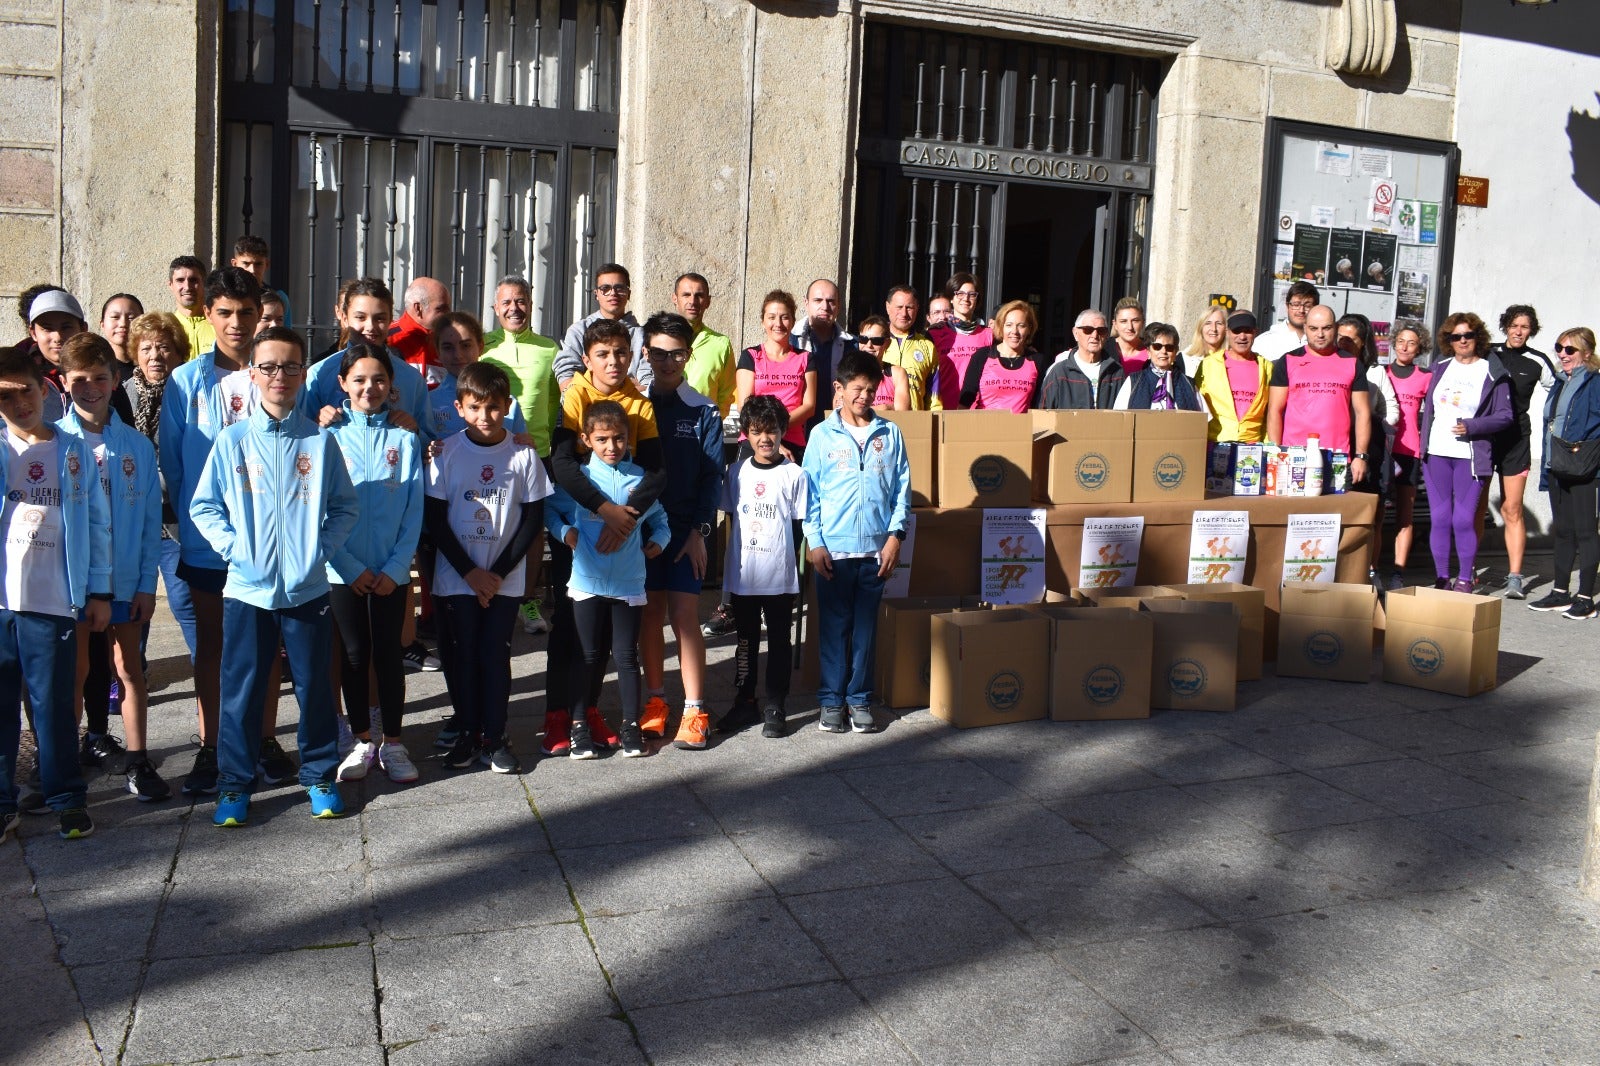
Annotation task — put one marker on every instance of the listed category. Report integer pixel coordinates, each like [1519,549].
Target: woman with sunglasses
[1468,402]
[1513,447]
[1572,413]
[1158,386]
[894,391]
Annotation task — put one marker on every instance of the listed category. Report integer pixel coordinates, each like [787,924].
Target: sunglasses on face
[663,355]
[1567,349]
[868,341]
[1093,331]
[1158,347]
[1459,337]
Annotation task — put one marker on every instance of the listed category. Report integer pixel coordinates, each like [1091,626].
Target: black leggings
[1573,529]
[369,629]
[591,616]
[559,685]
[97,684]
[747,612]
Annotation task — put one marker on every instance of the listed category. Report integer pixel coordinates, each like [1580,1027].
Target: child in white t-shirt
[483,510]
[767,496]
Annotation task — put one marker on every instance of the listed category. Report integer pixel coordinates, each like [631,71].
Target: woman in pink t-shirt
[774,368]
[1006,376]
[1404,472]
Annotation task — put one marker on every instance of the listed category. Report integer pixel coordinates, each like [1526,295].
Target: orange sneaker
[694,732]
[653,722]
[556,724]
[604,736]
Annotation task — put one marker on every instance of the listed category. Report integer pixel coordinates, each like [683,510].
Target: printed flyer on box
[899,583]
[1110,555]
[1311,547]
[1218,544]
[1013,555]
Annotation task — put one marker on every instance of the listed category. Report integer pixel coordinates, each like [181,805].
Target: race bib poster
[899,584]
[1311,547]
[1218,543]
[1110,555]
[1013,555]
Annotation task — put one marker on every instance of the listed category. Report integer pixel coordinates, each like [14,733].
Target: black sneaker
[202,779]
[274,764]
[418,657]
[773,720]
[449,733]
[1582,609]
[500,758]
[632,740]
[144,782]
[75,824]
[1554,600]
[742,715]
[861,720]
[720,624]
[461,755]
[103,751]
[580,740]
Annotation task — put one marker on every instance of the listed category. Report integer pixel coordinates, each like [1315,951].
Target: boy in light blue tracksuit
[608,585]
[129,480]
[860,499]
[275,501]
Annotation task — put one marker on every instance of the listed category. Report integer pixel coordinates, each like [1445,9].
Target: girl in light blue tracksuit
[369,575]
[608,584]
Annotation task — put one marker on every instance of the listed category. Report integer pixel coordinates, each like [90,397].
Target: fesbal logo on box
[1187,678]
[1091,471]
[1169,471]
[1103,684]
[988,474]
[1003,692]
[1425,656]
[1323,648]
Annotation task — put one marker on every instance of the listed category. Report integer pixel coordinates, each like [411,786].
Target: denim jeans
[250,638]
[40,651]
[847,620]
[178,601]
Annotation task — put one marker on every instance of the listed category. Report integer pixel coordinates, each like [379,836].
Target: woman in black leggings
[1572,413]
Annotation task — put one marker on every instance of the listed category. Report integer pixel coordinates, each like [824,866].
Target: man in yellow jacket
[527,358]
[911,350]
[711,363]
[1232,384]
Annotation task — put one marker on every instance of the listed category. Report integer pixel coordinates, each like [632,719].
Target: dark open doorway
[1051,251]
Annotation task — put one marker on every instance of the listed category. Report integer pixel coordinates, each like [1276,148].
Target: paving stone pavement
[1333,874]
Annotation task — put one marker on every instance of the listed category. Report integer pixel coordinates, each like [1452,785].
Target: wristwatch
[1359,455]
[898,534]
[704,529]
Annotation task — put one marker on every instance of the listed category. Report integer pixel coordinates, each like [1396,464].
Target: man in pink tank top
[1314,392]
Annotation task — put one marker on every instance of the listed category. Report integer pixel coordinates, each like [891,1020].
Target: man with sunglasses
[1085,377]
[962,333]
[612,288]
[1289,333]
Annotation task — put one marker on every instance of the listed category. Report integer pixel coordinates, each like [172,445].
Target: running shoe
[694,731]
[599,732]
[274,764]
[1463,584]
[202,778]
[144,782]
[653,722]
[580,743]
[75,824]
[832,720]
[358,762]
[325,800]
[449,733]
[1554,600]
[720,624]
[632,741]
[233,809]
[499,757]
[533,622]
[1582,609]
[861,720]
[742,715]
[418,657]
[462,754]
[396,762]
[1514,589]
[556,726]
[773,720]
[102,751]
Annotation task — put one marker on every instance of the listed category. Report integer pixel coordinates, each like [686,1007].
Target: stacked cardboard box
[920,431]
[1083,456]
[1169,456]
[984,459]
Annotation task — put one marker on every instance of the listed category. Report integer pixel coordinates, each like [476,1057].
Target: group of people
[285,499]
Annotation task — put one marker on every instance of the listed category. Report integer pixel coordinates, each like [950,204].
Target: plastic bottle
[1313,465]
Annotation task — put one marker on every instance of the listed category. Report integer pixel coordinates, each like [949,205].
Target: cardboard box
[904,648]
[1099,662]
[1129,596]
[1252,604]
[1443,641]
[990,667]
[1325,631]
[920,430]
[1083,456]
[1234,469]
[1195,649]
[1169,456]
[985,459]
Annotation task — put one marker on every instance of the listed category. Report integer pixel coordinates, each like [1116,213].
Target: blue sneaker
[325,800]
[233,809]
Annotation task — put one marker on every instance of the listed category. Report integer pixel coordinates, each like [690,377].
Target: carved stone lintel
[1361,40]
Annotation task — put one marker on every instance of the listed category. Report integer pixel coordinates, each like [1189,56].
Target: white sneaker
[347,739]
[359,761]
[396,762]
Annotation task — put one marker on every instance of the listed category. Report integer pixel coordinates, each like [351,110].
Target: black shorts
[1512,457]
[1405,470]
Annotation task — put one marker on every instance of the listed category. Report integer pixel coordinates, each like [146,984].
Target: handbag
[1574,460]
